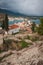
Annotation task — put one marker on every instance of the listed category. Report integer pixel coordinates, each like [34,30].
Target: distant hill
[10,13]
[16,14]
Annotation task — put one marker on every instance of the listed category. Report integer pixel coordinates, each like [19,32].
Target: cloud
[28,7]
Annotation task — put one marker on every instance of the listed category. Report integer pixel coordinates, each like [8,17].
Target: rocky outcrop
[27,56]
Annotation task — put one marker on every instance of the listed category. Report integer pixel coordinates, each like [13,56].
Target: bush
[33,27]
[34,39]
[7,44]
[28,37]
[40,28]
[24,44]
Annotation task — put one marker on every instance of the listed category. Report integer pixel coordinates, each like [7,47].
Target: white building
[29,22]
[13,29]
[11,18]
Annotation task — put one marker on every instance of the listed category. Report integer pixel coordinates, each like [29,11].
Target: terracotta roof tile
[13,26]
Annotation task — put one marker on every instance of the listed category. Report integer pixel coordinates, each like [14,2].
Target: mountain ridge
[5,11]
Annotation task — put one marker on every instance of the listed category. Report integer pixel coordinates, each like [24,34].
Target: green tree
[40,28]
[6,22]
[3,26]
[33,27]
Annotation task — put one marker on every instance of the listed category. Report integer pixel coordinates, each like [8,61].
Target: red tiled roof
[13,26]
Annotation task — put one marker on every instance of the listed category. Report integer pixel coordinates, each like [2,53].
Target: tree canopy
[40,28]
[33,27]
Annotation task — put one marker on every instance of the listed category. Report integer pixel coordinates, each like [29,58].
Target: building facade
[13,29]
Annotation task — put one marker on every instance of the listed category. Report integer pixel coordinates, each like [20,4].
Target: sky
[27,7]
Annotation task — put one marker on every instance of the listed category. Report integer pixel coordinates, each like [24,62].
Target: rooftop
[13,26]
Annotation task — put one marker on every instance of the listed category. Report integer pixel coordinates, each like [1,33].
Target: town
[18,35]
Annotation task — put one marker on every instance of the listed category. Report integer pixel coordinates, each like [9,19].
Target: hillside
[11,13]
[17,14]
[27,56]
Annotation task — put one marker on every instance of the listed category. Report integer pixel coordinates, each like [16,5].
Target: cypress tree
[33,27]
[3,26]
[6,22]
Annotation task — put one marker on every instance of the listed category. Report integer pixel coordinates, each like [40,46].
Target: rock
[39,43]
[5,54]
[28,41]
[40,62]
[29,56]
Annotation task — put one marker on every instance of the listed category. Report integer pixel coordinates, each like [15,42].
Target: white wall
[13,31]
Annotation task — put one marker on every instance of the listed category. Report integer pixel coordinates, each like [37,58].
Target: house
[13,29]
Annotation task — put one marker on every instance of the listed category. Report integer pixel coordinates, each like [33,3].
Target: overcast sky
[28,7]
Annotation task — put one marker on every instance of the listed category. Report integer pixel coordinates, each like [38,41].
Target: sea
[37,21]
[15,21]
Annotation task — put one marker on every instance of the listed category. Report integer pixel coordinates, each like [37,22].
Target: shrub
[40,28]
[28,37]
[34,39]
[24,44]
[33,27]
